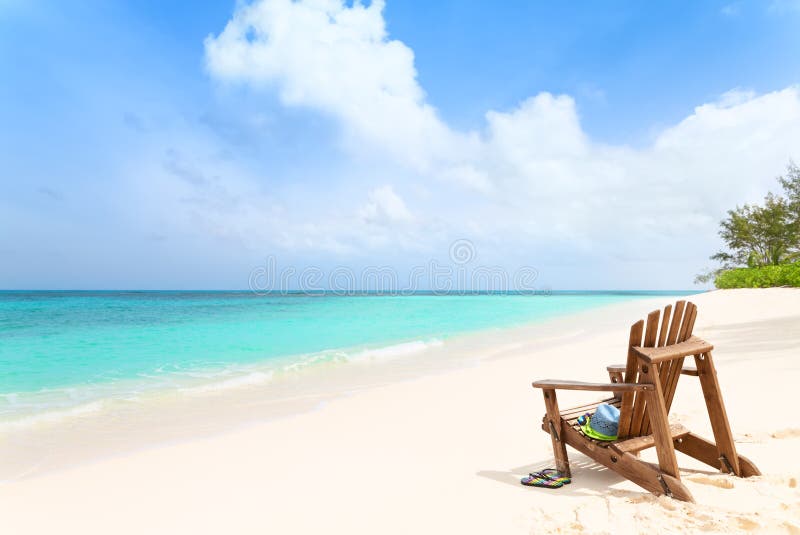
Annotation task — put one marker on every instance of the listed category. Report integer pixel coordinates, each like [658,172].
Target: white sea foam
[361,355]
[395,351]
[240,381]
[20,410]
[52,416]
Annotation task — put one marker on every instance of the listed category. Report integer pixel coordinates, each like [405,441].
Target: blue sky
[144,145]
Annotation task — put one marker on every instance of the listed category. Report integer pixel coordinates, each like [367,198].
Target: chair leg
[644,474]
[706,452]
[659,422]
[553,426]
[728,459]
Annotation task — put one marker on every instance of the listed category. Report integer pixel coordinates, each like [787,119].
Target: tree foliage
[791,185]
[763,277]
[765,234]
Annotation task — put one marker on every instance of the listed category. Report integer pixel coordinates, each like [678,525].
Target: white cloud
[532,175]
[339,60]
[385,207]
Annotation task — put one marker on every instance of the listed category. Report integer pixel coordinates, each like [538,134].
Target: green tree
[759,235]
[791,185]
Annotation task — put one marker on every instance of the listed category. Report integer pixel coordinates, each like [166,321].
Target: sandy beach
[443,452]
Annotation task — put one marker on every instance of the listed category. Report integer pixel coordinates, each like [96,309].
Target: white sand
[444,453]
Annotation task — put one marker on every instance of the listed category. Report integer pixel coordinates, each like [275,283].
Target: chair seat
[570,416]
[630,444]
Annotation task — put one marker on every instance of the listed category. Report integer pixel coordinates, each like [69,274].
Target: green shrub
[760,277]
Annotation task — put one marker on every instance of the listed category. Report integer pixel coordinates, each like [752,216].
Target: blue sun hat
[604,423]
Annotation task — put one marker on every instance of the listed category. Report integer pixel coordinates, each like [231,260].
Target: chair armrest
[692,346]
[554,384]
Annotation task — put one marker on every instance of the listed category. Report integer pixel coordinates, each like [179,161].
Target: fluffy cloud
[531,175]
[337,59]
[385,207]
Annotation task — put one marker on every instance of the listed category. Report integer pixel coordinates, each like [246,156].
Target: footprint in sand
[791,528]
[747,524]
[787,433]
[719,481]
[789,481]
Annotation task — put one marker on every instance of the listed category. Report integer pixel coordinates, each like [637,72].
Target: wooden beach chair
[643,390]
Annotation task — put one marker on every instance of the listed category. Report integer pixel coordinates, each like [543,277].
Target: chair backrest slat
[662,337]
[689,318]
[676,322]
[631,376]
[677,364]
[676,325]
[640,404]
[687,313]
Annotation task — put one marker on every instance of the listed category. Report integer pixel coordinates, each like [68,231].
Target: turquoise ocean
[62,349]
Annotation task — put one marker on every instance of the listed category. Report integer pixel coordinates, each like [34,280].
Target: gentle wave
[395,351]
[250,379]
[26,409]
[53,416]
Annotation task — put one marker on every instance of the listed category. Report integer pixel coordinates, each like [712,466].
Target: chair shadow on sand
[588,477]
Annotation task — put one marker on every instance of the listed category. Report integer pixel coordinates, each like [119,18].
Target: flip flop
[532,480]
[548,479]
[553,475]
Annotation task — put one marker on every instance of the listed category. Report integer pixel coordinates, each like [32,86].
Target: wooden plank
[628,466]
[640,405]
[676,366]
[699,448]
[663,374]
[689,370]
[581,409]
[692,319]
[662,335]
[663,370]
[594,387]
[574,413]
[692,346]
[578,408]
[687,319]
[556,430]
[706,452]
[676,322]
[633,445]
[617,377]
[572,419]
[663,378]
[660,424]
[716,410]
[631,372]
[651,332]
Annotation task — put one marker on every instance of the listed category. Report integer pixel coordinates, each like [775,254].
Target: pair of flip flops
[548,478]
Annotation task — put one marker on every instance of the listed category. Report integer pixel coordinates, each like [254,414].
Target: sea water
[66,351]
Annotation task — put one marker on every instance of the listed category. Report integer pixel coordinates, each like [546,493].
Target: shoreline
[226,371]
[432,451]
[112,426]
